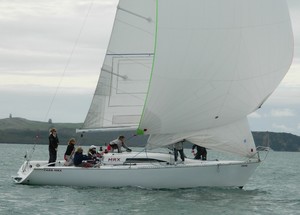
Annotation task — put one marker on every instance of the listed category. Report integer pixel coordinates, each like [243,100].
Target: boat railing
[49,164]
[25,166]
[262,150]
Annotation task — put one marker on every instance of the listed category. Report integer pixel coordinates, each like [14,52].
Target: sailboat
[181,69]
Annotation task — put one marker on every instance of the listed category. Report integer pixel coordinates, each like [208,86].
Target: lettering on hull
[114,159]
[53,170]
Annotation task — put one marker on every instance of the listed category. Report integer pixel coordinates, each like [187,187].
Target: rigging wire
[69,59]
[28,156]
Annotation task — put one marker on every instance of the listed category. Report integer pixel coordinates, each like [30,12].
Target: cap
[93,147]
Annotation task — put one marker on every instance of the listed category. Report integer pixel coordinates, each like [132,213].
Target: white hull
[192,173]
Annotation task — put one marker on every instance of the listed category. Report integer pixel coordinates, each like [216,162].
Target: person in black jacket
[178,147]
[53,144]
[201,152]
[79,157]
[69,154]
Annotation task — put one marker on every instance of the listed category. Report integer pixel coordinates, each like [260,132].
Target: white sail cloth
[122,87]
[215,62]
[234,138]
[192,69]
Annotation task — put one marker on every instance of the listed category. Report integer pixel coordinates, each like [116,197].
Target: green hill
[277,141]
[17,123]
[19,130]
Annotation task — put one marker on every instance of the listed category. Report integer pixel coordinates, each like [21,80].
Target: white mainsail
[122,87]
[210,63]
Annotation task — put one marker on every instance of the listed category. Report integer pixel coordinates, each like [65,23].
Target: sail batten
[135,14]
[123,82]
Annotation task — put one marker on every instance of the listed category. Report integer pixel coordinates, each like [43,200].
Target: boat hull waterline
[192,173]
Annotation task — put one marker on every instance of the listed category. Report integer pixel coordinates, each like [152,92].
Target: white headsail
[194,69]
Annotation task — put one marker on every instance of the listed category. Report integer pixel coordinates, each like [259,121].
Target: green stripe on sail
[140,131]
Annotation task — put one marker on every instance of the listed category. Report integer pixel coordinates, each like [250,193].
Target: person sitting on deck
[69,154]
[92,154]
[100,153]
[118,143]
[79,157]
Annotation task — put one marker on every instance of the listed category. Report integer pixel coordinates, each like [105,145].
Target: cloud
[37,38]
[48,48]
[13,9]
[274,112]
[293,75]
[282,113]
[282,128]
[255,115]
[37,50]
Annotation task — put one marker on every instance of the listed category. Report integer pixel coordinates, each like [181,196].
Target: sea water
[273,189]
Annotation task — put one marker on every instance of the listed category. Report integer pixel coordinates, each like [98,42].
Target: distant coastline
[23,131]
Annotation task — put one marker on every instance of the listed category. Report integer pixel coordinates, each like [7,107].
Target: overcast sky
[51,53]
